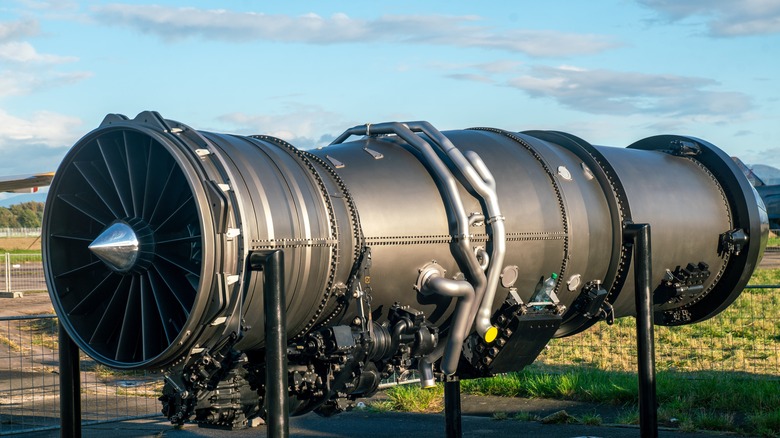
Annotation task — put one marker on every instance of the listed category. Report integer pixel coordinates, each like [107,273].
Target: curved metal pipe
[464,255]
[395,338]
[476,218]
[434,283]
[482,181]
[425,367]
[483,257]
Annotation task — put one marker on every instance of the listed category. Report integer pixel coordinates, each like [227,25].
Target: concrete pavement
[373,425]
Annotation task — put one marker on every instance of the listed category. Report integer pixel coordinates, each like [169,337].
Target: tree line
[24,215]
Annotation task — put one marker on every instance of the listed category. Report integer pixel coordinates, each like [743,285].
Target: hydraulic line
[481,181]
[464,256]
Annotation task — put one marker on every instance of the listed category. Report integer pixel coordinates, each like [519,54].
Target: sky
[609,71]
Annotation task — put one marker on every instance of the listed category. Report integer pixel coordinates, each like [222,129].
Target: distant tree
[7,219]
[26,215]
[28,219]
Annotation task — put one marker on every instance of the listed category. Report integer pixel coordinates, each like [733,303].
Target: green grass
[766,423]
[628,416]
[500,416]
[702,401]
[16,251]
[525,416]
[412,398]
[147,390]
[591,419]
[720,391]
[773,241]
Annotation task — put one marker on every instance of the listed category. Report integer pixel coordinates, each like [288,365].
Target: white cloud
[462,31]
[626,93]
[36,143]
[43,128]
[54,5]
[12,30]
[304,126]
[486,72]
[21,82]
[769,156]
[498,66]
[24,52]
[471,77]
[724,18]
[23,69]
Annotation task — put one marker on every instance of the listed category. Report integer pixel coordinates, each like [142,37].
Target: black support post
[452,411]
[272,264]
[643,271]
[70,386]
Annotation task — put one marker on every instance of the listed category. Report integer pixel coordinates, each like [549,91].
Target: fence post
[7,272]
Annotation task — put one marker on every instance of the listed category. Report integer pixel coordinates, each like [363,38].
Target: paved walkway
[477,421]
[371,425]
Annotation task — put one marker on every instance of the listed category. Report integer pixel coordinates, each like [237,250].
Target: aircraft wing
[25,183]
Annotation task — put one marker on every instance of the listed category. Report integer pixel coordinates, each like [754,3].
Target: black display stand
[452,412]
[70,386]
[645,340]
[271,262]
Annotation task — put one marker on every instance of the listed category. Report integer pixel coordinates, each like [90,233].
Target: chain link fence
[29,381]
[20,232]
[21,273]
[744,341]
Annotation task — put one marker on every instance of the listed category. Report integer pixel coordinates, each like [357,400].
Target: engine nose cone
[117,246]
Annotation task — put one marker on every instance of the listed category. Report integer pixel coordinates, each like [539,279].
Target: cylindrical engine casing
[199,203]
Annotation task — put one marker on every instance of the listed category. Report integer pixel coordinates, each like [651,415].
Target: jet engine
[405,250]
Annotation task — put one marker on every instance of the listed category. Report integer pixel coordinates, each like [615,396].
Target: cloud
[24,52]
[768,156]
[484,72]
[23,69]
[54,5]
[42,128]
[12,30]
[172,23]
[470,77]
[498,66]
[724,18]
[301,125]
[14,50]
[22,82]
[22,159]
[626,93]
[36,143]
[483,68]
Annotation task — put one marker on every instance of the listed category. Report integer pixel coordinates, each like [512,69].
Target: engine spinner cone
[117,246]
